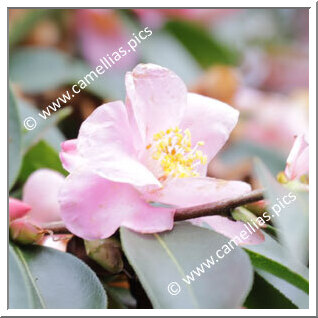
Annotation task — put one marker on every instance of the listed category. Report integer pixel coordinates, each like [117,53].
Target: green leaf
[50,69]
[42,277]
[40,156]
[275,268]
[200,43]
[292,219]
[281,270]
[246,150]
[265,296]
[45,129]
[161,259]
[37,70]
[15,153]
[163,49]
[109,85]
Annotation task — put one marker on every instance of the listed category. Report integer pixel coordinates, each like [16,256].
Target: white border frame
[312,136]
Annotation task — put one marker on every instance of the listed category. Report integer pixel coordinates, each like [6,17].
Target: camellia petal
[69,155]
[93,207]
[232,229]
[210,121]
[105,142]
[298,160]
[157,97]
[186,192]
[150,219]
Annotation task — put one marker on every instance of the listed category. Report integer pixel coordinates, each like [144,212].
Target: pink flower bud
[41,192]
[17,209]
[24,232]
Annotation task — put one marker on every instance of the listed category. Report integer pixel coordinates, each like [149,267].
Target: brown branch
[56,228]
[223,207]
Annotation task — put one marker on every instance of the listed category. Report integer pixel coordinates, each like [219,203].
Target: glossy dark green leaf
[15,139]
[41,277]
[171,257]
[291,219]
[200,43]
[265,296]
[40,156]
[273,262]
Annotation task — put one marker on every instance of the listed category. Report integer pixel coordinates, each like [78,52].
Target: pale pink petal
[41,192]
[150,220]
[69,155]
[94,208]
[106,144]
[232,229]
[17,208]
[298,160]
[186,192]
[302,164]
[209,120]
[157,97]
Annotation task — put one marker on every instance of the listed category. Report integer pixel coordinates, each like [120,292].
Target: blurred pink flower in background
[272,119]
[156,17]
[287,69]
[153,149]
[297,164]
[101,32]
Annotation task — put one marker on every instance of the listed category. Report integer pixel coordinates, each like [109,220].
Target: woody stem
[223,208]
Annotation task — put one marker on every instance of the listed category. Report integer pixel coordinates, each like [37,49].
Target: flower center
[176,155]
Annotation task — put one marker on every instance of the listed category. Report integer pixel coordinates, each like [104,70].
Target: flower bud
[17,209]
[106,253]
[246,216]
[22,231]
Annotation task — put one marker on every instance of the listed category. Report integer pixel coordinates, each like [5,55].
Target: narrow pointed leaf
[291,219]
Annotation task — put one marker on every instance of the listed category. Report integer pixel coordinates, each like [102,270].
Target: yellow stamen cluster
[175,153]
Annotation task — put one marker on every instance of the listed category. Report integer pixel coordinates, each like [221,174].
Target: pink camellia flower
[153,149]
[272,119]
[297,164]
